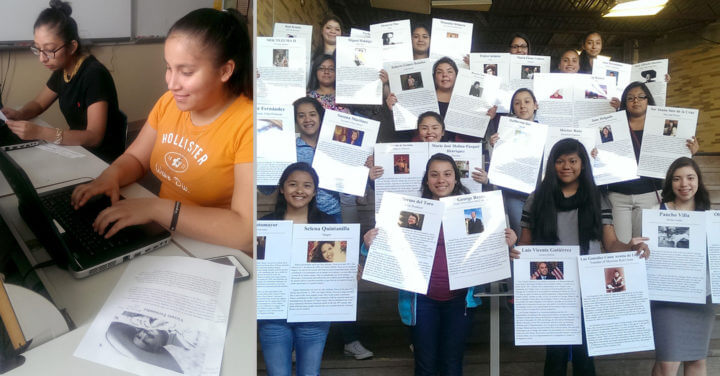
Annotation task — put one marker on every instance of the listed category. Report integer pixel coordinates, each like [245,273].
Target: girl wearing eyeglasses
[82,85]
[322,83]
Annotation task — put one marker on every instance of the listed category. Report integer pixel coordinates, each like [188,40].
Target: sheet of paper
[344,144]
[403,252]
[615,161]
[60,150]
[323,274]
[676,269]
[468,157]
[273,256]
[282,70]
[475,247]
[452,39]
[359,33]
[413,85]
[547,296]
[358,65]
[615,302]
[523,69]
[619,72]
[667,130]
[395,39]
[274,142]
[165,316]
[496,64]
[518,154]
[565,99]
[472,97]
[403,165]
[652,73]
[305,32]
[713,246]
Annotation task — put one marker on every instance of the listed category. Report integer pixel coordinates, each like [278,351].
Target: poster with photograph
[667,130]
[472,97]
[495,64]
[566,98]
[652,73]
[619,74]
[403,252]
[523,69]
[413,85]
[359,33]
[153,325]
[474,231]
[615,302]
[468,158]
[403,165]
[395,39]
[357,66]
[586,136]
[273,256]
[712,222]
[615,160]
[518,154]
[296,31]
[676,270]
[274,142]
[282,70]
[547,296]
[323,272]
[452,39]
[344,145]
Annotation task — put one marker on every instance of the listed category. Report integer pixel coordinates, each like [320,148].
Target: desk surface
[84,298]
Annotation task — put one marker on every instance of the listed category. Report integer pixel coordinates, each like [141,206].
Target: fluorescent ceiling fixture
[630,8]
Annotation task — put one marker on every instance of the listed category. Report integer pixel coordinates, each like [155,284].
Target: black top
[91,84]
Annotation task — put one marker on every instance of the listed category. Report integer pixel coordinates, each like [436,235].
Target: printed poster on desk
[357,66]
[452,39]
[676,271]
[275,142]
[344,145]
[413,85]
[475,247]
[282,70]
[323,274]
[273,257]
[403,252]
[395,39]
[472,97]
[547,296]
[713,246]
[616,306]
[165,316]
[664,139]
[518,154]
[615,160]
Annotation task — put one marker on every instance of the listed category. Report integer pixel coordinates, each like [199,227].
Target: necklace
[68,76]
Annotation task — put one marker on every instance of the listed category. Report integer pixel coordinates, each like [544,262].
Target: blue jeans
[278,338]
[439,335]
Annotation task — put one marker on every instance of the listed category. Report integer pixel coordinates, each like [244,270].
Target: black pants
[557,357]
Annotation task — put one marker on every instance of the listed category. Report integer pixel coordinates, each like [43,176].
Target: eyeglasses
[638,98]
[326,69]
[519,46]
[48,54]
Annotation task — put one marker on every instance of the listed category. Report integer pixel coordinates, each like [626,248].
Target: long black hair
[314,214]
[585,66]
[548,199]
[226,34]
[641,85]
[57,17]
[313,83]
[317,255]
[459,187]
[702,197]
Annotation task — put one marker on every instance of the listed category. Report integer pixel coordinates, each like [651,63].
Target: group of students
[204,121]
[567,208]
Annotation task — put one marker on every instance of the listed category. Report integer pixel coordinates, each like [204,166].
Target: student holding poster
[630,198]
[296,202]
[322,83]
[682,330]
[331,27]
[440,320]
[568,209]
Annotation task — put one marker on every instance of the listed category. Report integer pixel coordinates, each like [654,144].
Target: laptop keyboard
[78,223]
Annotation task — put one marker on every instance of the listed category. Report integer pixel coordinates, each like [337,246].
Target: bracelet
[58,136]
[176,212]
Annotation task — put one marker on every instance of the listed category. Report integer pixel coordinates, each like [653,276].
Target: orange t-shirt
[196,163]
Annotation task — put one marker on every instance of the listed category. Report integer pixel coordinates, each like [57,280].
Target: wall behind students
[308,12]
[137,69]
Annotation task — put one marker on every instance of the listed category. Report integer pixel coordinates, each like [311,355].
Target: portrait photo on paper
[544,270]
[473,221]
[411,81]
[401,163]
[670,128]
[260,247]
[464,167]
[280,57]
[348,135]
[490,69]
[606,133]
[411,220]
[327,251]
[614,280]
[673,237]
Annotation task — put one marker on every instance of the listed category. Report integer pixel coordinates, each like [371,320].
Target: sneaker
[356,349]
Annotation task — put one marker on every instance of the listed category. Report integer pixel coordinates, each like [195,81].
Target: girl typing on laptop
[197,140]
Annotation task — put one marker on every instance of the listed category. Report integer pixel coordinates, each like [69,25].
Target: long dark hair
[548,197]
[307,100]
[585,66]
[641,85]
[459,187]
[319,48]
[702,197]
[313,83]
[226,34]
[435,116]
[281,203]
[317,251]
[518,91]
[523,37]
[57,17]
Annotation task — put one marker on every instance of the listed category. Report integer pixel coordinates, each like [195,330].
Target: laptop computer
[9,140]
[67,234]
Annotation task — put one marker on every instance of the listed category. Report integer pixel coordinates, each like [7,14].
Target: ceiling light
[634,8]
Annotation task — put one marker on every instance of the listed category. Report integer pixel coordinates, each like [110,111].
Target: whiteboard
[153,18]
[96,19]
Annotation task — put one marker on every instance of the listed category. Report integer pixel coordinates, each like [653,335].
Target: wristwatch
[58,136]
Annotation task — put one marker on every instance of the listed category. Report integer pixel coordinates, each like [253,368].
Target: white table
[83,298]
